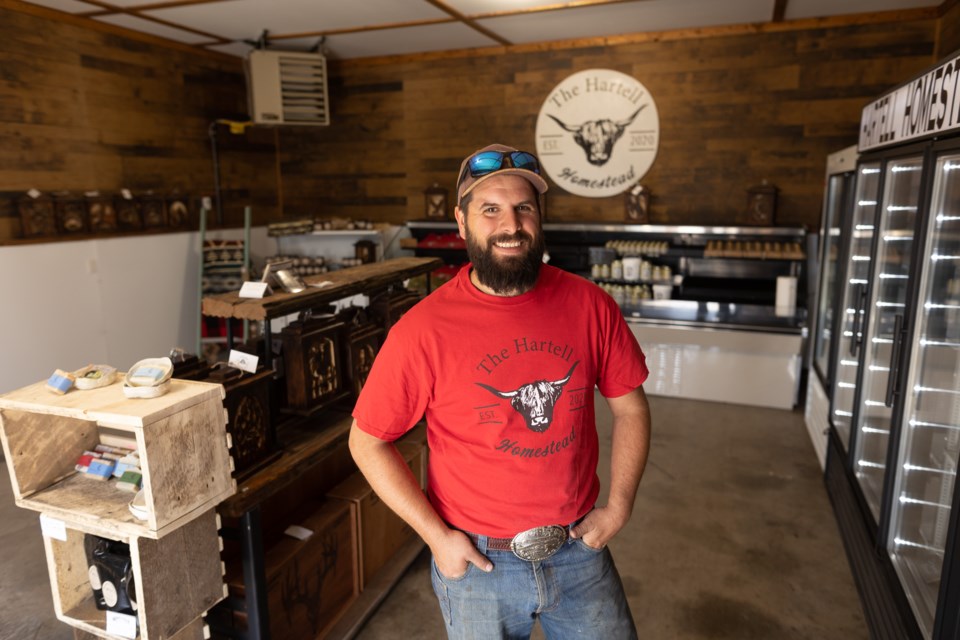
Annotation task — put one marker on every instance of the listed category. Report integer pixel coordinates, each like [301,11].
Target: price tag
[121,624]
[243,361]
[126,194]
[252,289]
[53,528]
[298,532]
[33,193]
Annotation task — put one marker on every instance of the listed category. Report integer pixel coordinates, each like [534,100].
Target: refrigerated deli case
[895,391]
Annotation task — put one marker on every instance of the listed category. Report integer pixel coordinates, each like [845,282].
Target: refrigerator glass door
[930,435]
[883,337]
[854,300]
[838,187]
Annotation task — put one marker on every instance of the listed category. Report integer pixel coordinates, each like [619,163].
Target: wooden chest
[390,307]
[380,531]
[313,363]
[249,420]
[361,342]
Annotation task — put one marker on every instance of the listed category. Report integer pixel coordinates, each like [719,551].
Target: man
[502,361]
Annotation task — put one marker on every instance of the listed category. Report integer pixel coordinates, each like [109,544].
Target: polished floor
[732,537]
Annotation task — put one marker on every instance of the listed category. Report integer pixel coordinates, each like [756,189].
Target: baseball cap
[497,160]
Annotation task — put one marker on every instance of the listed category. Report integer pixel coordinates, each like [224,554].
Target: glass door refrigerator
[921,540]
[837,205]
[895,398]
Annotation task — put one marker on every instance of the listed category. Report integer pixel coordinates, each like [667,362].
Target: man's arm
[391,479]
[631,444]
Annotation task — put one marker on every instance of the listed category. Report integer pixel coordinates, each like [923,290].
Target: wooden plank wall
[84,108]
[734,110]
[949,34]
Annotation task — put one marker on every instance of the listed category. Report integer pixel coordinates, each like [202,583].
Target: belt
[532,545]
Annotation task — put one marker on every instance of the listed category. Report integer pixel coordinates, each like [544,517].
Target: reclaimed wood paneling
[101,110]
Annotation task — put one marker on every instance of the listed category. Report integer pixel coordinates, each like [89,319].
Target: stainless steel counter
[715,315]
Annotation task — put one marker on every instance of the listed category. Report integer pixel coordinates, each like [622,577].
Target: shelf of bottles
[930,434]
[885,325]
[626,269]
[854,300]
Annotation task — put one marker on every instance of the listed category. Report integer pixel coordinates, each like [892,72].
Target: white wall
[105,301]
[115,301]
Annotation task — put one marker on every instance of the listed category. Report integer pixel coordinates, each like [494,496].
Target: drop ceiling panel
[153,28]
[379,29]
[628,17]
[797,9]
[237,19]
[68,6]
[437,37]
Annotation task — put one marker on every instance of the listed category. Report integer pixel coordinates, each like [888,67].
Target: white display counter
[756,368]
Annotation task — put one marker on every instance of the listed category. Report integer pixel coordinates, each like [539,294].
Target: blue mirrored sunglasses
[489,161]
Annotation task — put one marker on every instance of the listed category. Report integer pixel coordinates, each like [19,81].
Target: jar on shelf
[616,270]
[646,271]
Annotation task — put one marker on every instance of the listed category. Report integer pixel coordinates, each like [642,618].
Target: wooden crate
[196,630]
[177,577]
[310,582]
[380,532]
[181,439]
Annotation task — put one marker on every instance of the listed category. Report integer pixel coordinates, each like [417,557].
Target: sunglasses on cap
[487,162]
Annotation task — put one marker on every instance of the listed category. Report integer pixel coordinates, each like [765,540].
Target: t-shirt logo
[535,400]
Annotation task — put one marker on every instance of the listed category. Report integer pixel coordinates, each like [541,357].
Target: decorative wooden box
[313,363]
[101,213]
[249,421]
[390,306]
[129,217]
[37,216]
[361,342]
[71,211]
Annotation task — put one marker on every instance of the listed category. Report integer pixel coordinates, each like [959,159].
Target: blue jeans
[575,593]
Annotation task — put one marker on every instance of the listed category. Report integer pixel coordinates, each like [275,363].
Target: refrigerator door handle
[893,380]
[860,295]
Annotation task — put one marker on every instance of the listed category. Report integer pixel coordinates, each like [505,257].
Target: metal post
[254,575]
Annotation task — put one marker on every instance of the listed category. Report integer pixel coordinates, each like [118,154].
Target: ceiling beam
[453,13]
[779,10]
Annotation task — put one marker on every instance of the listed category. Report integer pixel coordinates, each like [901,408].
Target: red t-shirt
[506,386]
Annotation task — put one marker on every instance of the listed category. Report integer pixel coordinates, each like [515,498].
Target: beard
[506,275]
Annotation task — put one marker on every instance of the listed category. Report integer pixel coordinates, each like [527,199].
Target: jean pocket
[445,580]
[583,545]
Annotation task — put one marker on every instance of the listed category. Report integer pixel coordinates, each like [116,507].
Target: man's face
[503,235]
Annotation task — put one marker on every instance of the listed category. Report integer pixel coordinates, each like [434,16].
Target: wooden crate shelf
[178,578]
[180,437]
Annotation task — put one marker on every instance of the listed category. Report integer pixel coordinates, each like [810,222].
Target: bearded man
[502,362]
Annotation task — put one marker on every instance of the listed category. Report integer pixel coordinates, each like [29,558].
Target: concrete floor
[732,538]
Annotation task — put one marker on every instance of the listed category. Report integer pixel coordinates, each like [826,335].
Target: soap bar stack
[106,462]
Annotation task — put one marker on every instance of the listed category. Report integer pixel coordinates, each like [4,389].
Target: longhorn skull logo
[535,400]
[597,137]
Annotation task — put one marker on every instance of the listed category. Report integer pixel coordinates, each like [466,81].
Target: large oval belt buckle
[539,543]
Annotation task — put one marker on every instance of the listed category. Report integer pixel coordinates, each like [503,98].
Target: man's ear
[461,217]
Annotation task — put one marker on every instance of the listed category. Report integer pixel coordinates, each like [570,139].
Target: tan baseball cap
[466,181]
